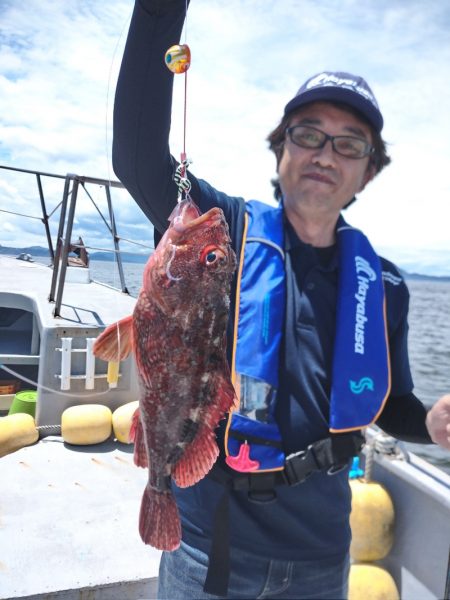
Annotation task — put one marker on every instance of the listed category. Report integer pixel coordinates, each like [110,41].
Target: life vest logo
[362,266]
[365,275]
[366,383]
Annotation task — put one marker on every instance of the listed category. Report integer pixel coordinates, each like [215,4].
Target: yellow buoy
[16,431]
[369,582]
[86,424]
[122,419]
[371,521]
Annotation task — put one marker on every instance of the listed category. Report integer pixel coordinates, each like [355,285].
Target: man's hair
[378,159]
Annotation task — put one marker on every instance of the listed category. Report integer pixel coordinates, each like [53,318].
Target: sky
[59,62]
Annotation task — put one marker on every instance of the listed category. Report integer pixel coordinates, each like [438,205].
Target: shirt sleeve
[142,117]
[404,414]
[142,108]
[404,418]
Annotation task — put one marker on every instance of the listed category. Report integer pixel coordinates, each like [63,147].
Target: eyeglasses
[345,145]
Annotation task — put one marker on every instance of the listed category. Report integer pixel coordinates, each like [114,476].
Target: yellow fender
[16,431]
[86,424]
[369,582]
[121,419]
[371,521]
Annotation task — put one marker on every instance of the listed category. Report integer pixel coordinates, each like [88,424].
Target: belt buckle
[335,469]
[291,474]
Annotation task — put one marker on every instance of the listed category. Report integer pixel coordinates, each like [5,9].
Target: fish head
[193,260]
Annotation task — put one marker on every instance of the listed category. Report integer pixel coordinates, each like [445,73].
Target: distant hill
[34,250]
[131,257]
[421,277]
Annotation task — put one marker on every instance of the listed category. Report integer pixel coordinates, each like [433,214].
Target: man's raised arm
[142,109]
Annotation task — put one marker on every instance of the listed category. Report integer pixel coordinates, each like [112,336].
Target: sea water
[429,352]
[429,339]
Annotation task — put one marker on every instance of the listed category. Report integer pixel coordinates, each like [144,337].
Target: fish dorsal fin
[116,342]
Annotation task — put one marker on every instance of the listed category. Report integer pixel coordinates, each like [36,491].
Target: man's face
[319,182]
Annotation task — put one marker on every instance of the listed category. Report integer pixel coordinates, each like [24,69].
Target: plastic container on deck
[24,402]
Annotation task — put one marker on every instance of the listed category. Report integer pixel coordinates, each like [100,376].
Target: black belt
[331,455]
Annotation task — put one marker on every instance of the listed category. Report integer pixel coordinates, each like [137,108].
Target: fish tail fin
[137,436]
[116,342]
[198,458]
[159,521]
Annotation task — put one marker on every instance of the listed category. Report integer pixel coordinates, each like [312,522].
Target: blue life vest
[361,367]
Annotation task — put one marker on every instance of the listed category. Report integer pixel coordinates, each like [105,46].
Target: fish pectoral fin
[201,454]
[230,397]
[137,436]
[116,342]
[226,396]
[198,458]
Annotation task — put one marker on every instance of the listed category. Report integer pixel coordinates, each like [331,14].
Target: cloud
[59,63]
[54,76]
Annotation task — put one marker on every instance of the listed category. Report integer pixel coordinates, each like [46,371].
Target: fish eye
[211,255]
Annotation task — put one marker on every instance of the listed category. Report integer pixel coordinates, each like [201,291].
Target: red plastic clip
[242,462]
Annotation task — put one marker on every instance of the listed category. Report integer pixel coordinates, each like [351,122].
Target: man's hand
[438,422]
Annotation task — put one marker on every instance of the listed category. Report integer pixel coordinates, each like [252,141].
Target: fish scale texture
[178,335]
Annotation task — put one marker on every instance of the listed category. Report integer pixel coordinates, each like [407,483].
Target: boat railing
[59,254]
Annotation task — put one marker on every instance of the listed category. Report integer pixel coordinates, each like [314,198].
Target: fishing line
[169,264]
[178,61]
[183,156]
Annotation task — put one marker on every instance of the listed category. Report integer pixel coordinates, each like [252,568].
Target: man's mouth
[319,177]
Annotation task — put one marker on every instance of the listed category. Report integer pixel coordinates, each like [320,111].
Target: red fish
[177,333]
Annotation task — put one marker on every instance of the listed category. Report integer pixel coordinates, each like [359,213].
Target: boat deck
[84,304]
[69,524]
[68,514]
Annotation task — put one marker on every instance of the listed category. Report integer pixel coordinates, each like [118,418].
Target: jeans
[182,574]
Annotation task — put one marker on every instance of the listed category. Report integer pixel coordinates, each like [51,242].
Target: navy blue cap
[340,87]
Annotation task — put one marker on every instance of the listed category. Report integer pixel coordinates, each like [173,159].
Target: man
[287,541]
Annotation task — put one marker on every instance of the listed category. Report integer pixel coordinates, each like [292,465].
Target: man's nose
[325,156]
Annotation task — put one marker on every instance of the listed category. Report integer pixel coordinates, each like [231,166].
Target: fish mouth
[184,223]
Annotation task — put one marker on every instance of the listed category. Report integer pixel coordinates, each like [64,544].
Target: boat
[69,513]
[25,256]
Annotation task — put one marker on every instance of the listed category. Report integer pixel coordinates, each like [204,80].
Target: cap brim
[330,94]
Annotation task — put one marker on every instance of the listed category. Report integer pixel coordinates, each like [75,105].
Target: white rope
[47,389]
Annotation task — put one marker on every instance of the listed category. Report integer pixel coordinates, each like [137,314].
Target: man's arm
[142,109]
[404,418]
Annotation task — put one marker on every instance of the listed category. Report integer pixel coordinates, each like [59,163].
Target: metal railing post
[45,217]
[62,220]
[66,246]
[115,240]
